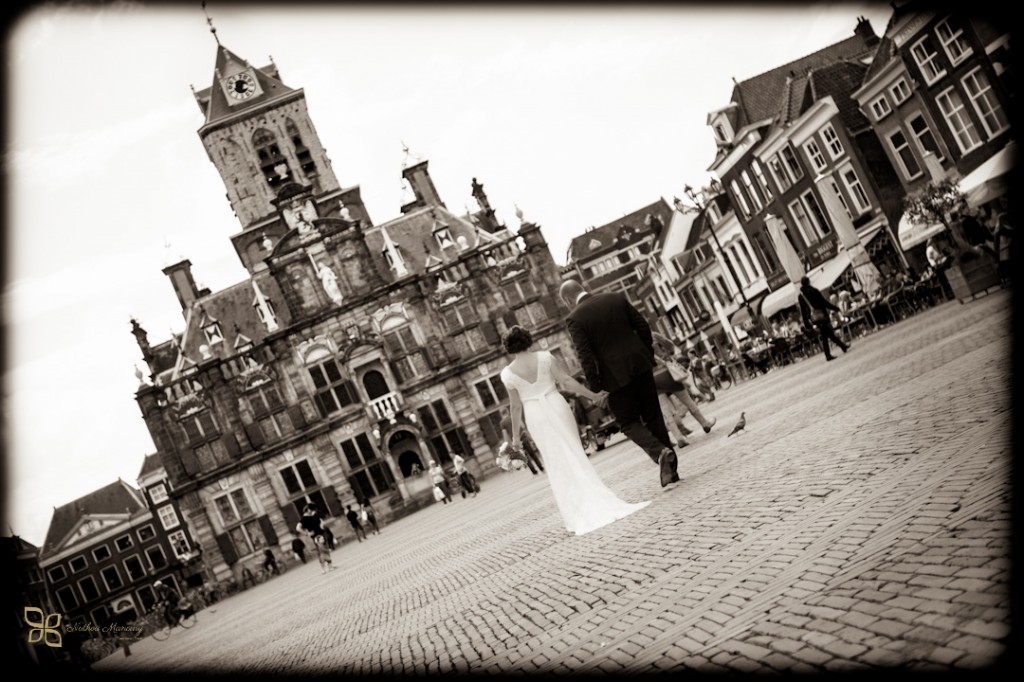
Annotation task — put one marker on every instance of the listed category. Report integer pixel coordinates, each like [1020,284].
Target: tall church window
[270,157]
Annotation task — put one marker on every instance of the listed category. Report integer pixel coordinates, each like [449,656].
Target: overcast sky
[577,115]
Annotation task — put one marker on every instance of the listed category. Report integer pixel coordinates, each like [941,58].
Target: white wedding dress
[583,500]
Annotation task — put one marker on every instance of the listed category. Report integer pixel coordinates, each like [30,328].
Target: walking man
[814,308]
[614,344]
[357,525]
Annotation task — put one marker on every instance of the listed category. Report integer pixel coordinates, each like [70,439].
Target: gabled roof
[599,239]
[115,499]
[234,312]
[838,81]
[215,103]
[758,97]
[413,235]
[150,464]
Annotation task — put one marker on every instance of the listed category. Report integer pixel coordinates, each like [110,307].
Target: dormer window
[443,236]
[390,255]
[880,107]
[213,334]
[723,131]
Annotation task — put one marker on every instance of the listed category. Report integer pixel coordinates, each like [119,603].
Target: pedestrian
[270,562]
[814,308]
[357,525]
[702,379]
[329,537]
[367,516]
[675,384]
[313,526]
[534,380]
[323,554]
[299,549]
[466,479]
[533,459]
[614,345]
[440,481]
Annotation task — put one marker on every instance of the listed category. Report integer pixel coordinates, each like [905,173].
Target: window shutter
[467,449]
[230,442]
[268,530]
[396,371]
[291,516]
[227,549]
[255,435]
[331,498]
[550,307]
[298,419]
[490,435]
[190,462]
[490,333]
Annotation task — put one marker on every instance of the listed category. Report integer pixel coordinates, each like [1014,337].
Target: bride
[532,380]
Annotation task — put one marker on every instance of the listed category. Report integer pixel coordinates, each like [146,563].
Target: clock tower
[258,134]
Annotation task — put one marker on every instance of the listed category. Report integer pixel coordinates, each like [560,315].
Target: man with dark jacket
[814,309]
[615,346]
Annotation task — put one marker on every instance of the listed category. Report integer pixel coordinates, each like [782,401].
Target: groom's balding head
[570,291]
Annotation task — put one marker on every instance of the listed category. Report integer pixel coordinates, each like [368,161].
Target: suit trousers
[637,409]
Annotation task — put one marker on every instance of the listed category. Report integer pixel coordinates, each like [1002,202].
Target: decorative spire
[210,22]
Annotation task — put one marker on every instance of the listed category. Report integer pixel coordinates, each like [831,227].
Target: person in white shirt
[466,479]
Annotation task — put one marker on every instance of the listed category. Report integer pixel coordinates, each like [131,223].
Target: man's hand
[602,399]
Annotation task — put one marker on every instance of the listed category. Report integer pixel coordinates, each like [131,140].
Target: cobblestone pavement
[861,521]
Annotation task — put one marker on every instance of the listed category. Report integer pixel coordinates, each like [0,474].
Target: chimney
[184,286]
[422,186]
[865,32]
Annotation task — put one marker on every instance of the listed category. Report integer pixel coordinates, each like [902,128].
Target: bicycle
[186,618]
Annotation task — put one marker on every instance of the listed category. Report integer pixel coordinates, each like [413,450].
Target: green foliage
[936,203]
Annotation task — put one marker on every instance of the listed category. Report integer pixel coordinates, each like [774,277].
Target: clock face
[241,86]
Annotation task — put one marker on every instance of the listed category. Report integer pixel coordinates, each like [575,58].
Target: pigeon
[740,425]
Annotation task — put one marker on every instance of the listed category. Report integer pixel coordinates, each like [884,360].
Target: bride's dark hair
[516,340]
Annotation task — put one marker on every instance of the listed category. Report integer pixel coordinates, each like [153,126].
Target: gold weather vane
[210,22]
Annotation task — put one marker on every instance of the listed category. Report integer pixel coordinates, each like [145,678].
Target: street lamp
[701,208]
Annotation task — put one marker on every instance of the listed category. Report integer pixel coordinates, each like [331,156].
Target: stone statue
[330,282]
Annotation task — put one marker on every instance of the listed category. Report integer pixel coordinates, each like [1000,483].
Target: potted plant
[972,269]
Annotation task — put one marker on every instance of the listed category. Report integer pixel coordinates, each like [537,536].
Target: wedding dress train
[582,498]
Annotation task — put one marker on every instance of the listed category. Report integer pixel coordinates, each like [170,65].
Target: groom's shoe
[667,465]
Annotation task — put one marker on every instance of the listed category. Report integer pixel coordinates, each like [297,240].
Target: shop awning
[990,180]
[821,277]
[912,233]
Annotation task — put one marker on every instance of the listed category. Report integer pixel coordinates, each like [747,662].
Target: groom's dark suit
[614,344]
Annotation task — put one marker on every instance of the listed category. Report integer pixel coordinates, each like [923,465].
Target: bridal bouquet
[510,458]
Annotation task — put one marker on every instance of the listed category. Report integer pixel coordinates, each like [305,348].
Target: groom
[614,344]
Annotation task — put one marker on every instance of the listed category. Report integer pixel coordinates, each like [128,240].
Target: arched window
[375,384]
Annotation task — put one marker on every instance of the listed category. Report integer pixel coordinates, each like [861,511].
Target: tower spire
[210,22]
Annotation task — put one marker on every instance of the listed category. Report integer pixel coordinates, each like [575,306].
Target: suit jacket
[613,340]
[809,296]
